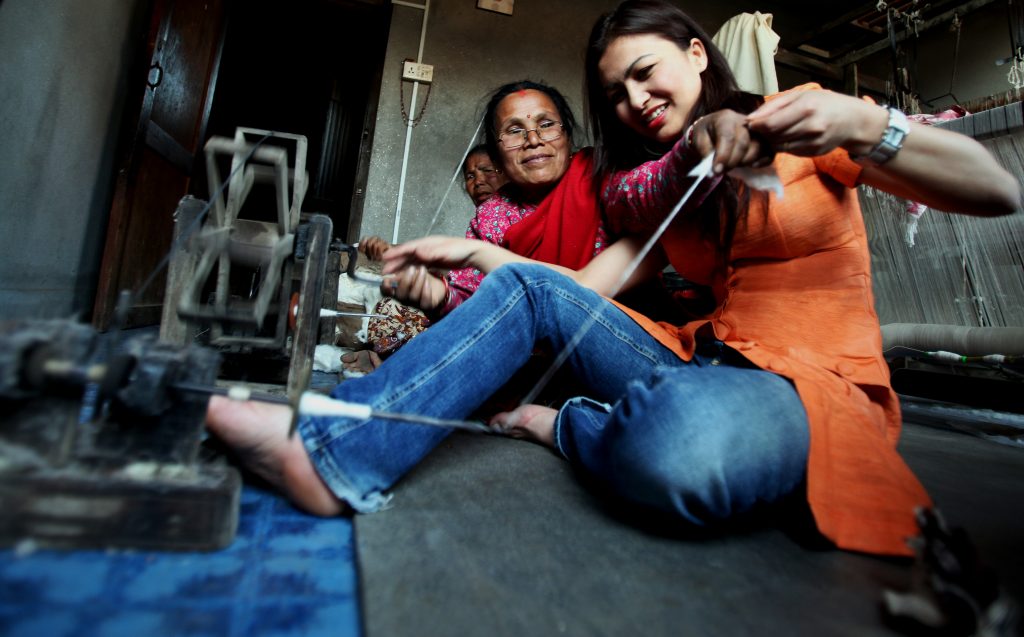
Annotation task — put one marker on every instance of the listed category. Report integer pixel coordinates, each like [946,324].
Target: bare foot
[258,434]
[530,422]
[363,361]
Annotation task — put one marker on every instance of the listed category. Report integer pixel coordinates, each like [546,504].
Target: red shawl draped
[564,227]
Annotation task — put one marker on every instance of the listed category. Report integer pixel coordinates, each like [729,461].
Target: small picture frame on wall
[498,6]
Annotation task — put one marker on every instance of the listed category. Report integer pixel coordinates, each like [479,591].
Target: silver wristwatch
[892,139]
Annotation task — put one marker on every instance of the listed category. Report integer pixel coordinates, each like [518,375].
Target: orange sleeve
[838,165]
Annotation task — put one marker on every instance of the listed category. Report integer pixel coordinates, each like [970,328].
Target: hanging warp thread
[963,270]
[1015,16]
[904,58]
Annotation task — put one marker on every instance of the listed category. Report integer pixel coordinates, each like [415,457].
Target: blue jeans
[703,440]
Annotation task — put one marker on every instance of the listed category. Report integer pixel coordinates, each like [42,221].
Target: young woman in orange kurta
[781,385]
[791,274]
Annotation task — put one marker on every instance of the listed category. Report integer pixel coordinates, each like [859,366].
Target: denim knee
[689,443]
[672,465]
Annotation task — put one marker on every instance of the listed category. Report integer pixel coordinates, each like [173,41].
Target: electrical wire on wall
[407,118]
[410,122]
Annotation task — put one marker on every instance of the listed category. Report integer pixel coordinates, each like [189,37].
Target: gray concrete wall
[473,52]
[62,68]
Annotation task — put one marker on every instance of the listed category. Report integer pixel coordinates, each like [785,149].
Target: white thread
[238,392]
[698,172]
[458,170]
[314,404]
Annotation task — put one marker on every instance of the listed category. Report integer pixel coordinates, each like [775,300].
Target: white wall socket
[417,72]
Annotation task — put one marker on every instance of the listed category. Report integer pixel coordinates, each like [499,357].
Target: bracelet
[895,133]
[688,135]
[446,304]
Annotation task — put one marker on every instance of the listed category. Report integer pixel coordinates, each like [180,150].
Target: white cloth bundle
[749,44]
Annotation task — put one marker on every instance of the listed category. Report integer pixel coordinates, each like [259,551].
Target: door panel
[186,57]
[184,49]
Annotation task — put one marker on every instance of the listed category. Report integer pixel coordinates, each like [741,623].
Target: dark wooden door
[184,47]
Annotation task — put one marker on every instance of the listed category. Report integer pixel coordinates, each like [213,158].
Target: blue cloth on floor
[286,573]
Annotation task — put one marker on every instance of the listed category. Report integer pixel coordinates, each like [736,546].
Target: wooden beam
[867,26]
[962,10]
[808,64]
[847,18]
[813,50]
[827,70]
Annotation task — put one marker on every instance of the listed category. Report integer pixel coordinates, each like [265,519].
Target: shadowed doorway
[311,68]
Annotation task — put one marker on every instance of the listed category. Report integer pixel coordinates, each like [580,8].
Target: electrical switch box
[417,72]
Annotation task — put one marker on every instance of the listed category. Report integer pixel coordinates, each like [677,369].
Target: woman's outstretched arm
[939,168]
[413,258]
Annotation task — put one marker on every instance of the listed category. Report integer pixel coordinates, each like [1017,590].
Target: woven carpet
[286,573]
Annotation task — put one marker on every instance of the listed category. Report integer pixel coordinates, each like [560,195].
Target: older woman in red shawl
[547,212]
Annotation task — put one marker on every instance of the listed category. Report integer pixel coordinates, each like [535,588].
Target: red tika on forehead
[521,92]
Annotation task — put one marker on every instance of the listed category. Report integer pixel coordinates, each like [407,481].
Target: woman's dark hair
[476,150]
[617,147]
[490,131]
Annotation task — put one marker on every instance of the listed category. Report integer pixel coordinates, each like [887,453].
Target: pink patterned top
[492,220]
[635,199]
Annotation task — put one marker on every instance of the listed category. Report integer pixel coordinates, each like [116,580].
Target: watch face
[898,120]
[892,138]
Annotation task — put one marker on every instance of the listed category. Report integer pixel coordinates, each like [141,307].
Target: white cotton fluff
[764,178]
[353,292]
[327,358]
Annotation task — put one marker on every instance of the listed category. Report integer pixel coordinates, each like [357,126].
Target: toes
[363,361]
[375,360]
[504,420]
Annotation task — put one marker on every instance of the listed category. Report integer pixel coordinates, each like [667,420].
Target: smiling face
[652,84]
[482,178]
[537,165]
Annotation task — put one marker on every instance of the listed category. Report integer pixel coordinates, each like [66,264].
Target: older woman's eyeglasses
[515,137]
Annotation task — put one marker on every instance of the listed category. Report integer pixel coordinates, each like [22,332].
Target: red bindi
[521,92]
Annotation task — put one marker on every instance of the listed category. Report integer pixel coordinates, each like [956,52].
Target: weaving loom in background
[959,289]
